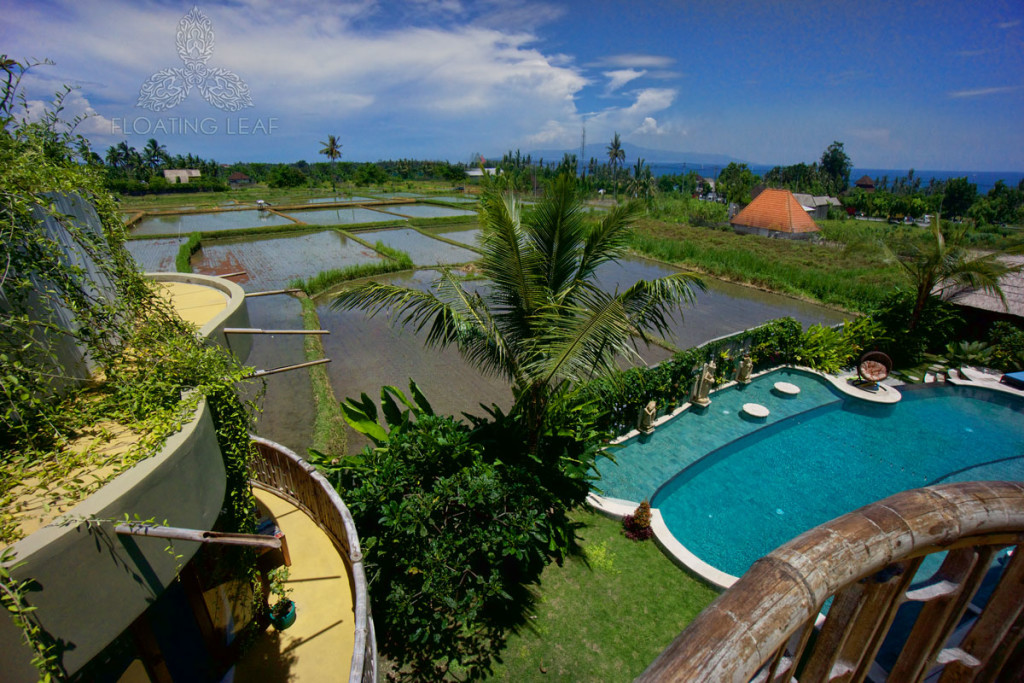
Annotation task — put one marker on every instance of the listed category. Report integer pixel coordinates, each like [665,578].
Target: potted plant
[282,610]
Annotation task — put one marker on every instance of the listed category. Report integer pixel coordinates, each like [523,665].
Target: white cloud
[982,92]
[620,77]
[1008,24]
[648,127]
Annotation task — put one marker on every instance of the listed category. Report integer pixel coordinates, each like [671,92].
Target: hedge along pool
[750,495]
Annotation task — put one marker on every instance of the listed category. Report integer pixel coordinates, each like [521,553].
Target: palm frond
[580,340]
[651,304]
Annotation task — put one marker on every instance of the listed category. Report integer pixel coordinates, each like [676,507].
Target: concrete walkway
[318,647]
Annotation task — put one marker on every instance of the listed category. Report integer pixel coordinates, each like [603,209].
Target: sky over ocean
[922,85]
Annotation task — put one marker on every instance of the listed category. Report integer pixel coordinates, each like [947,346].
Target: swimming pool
[769,484]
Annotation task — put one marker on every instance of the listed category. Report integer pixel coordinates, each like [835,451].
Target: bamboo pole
[286,368]
[256,330]
[197,535]
[273,291]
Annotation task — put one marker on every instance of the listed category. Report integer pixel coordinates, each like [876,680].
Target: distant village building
[817,207]
[238,179]
[866,184]
[180,175]
[477,172]
[775,213]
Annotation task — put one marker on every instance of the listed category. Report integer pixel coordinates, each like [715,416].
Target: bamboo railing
[283,473]
[761,629]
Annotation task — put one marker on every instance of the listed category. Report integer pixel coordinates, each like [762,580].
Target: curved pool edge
[675,551]
[678,553]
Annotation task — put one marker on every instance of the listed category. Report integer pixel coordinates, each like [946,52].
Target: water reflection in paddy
[723,309]
[429,211]
[272,262]
[423,250]
[155,256]
[287,407]
[328,200]
[467,235]
[456,200]
[207,222]
[342,216]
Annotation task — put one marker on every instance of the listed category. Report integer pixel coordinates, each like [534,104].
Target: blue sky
[930,85]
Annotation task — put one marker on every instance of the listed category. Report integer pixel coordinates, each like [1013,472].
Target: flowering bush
[638,525]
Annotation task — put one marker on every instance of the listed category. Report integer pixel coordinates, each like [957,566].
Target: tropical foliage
[543,324]
[941,264]
[455,521]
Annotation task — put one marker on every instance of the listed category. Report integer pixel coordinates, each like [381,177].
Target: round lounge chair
[874,366]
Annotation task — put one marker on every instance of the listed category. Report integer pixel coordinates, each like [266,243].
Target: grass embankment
[183,261]
[606,615]
[328,423]
[394,261]
[839,274]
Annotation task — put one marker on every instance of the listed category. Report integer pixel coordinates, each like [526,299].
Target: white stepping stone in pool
[787,388]
[755,410]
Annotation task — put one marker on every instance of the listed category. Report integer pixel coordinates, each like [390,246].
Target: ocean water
[985,180]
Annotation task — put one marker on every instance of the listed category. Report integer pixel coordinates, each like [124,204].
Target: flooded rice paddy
[207,222]
[271,262]
[429,211]
[423,250]
[455,200]
[342,216]
[156,255]
[367,354]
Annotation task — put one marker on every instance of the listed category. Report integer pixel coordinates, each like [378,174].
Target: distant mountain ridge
[599,151]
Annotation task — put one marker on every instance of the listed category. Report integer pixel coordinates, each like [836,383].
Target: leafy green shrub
[938,326]
[1007,342]
[455,522]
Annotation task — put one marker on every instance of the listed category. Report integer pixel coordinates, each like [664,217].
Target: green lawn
[603,616]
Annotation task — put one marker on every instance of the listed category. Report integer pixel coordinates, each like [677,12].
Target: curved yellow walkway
[319,646]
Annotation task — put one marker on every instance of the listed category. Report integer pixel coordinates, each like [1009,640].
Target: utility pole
[583,149]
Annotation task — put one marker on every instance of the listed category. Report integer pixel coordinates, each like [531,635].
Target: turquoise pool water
[641,467]
[748,497]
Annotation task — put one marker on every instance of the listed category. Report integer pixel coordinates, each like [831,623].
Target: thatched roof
[1012,285]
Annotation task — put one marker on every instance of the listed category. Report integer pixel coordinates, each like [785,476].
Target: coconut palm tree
[616,157]
[940,264]
[543,324]
[154,154]
[332,150]
[641,184]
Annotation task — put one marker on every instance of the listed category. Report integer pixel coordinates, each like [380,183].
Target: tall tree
[543,324]
[616,157]
[836,167]
[939,264]
[154,155]
[332,150]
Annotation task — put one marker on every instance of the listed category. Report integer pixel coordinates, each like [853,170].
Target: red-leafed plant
[637,526]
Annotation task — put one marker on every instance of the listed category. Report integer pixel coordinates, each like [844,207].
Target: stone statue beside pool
[645,422]
[701,387]
[746,366]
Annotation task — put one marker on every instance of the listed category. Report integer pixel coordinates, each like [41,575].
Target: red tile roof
[776,210]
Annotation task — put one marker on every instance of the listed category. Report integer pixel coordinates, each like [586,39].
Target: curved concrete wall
[92,583]
[236,314]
